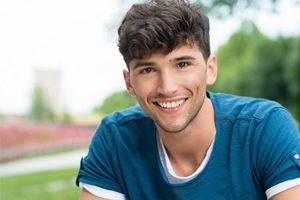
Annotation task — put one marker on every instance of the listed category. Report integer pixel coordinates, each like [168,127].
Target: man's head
[162,26]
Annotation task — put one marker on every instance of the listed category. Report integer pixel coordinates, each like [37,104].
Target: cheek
[141,88]
[196,79]
[146,89]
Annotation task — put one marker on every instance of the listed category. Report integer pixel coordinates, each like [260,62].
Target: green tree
[40,111]
[224,8]
[235,61]
[117,101]
[251,64]
[277,71]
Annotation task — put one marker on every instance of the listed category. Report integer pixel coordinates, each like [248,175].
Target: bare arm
[86,195]
[291,194]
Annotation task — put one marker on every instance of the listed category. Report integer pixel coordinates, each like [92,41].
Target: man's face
[171,88]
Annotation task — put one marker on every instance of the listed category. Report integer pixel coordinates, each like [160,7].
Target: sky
[79,38]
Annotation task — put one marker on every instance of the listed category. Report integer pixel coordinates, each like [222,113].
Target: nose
[168,83]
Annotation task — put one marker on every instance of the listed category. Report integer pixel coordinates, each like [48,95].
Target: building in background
[50,83]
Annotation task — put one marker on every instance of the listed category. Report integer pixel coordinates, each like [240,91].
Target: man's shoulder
[131,114]
[228,105]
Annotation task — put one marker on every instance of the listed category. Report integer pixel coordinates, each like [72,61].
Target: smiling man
[182,141]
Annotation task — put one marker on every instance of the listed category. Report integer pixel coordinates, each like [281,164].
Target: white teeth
[173,104]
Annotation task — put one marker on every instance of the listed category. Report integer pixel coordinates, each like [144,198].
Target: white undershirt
[171,175]
[173,178]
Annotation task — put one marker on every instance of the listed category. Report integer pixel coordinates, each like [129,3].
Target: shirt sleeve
[98,168]
[277,148]
[282,187]
[102,193]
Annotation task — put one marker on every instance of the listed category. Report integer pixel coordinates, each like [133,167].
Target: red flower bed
[21,139]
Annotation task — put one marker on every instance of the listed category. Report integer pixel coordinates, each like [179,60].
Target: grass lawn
[47,185]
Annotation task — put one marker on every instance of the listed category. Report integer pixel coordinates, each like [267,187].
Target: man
[182,141]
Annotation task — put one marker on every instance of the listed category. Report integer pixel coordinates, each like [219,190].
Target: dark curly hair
[161,26]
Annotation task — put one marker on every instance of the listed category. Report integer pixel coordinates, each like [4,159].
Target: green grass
[47,185]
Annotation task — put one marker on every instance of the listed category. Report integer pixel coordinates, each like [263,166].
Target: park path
[49,162]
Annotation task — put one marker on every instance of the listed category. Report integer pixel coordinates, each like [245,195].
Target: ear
[212,70]
[129,87]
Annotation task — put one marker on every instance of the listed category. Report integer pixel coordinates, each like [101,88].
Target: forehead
[181,51]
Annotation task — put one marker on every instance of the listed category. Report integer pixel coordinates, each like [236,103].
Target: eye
[146,71]
[183,65]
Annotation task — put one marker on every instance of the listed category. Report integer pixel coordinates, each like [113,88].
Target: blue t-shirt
[254,149]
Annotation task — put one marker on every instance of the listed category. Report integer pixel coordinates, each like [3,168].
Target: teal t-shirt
[254,149]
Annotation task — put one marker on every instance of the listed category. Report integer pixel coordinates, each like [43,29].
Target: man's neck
[187,149]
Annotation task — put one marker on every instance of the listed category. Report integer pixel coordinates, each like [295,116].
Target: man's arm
[86,195]
[291,194]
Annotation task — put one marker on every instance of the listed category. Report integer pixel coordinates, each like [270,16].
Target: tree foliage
[40,111]
[117,101]
[252,64]
[224,8]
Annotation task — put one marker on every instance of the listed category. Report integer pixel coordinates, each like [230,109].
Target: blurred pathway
[49,162]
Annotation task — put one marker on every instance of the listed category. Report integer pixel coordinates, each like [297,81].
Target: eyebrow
[182,58]
[143,64]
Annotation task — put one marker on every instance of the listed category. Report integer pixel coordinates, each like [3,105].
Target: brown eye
[146,71]
[183,65]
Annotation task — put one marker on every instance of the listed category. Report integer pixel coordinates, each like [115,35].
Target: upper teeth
[173,104]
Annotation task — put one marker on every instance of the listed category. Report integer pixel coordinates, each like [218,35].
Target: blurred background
[60,72]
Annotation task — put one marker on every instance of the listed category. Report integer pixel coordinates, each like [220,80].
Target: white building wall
[49,81]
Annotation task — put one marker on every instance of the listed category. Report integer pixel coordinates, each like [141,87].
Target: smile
[170,105]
